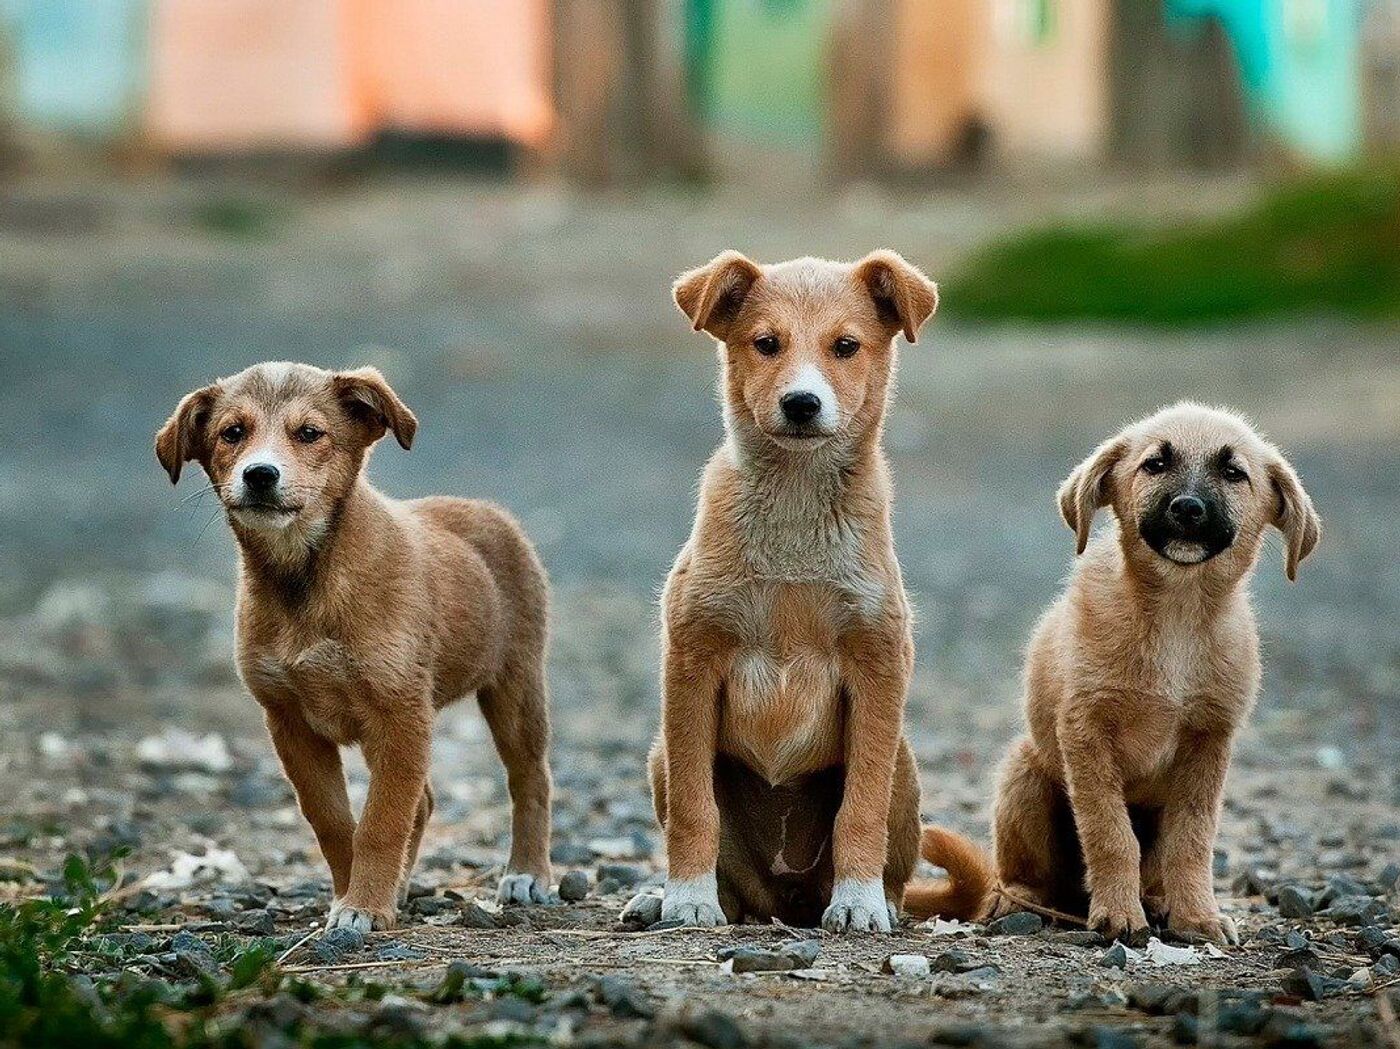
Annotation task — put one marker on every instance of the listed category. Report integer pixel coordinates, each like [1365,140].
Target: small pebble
[1116,957]
[1021,923]
[907,965]
[573,886]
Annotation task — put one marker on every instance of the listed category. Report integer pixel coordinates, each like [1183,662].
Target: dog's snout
[801,407]
[1187,509]
[261,477]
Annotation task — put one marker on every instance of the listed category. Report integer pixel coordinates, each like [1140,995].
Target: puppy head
[1191,485]
[807,345]
[282,444]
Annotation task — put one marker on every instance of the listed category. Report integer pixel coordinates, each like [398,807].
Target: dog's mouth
[1187,547]
[799,438]
[262,513]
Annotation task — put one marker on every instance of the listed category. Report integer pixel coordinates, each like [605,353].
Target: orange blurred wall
[235,75]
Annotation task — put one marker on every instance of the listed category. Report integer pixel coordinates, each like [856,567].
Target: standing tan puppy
[781,774]
[1137,679]
[360,616]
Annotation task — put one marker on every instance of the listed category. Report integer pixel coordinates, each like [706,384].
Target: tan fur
[786,642]
[1136,681]
[359,616]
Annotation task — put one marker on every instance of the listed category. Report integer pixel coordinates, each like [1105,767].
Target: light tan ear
[182,438]
[1088,487]
[370,400]
[712,294]
[902,294]
[1294,515]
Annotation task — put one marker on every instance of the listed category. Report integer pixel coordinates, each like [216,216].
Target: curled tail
[967,890]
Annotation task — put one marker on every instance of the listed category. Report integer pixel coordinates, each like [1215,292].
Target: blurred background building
[622,90]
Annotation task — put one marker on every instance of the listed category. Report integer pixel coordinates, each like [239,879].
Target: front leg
[1186,840]
[396,750]
[875,671]
[690,700]
[1112,857]
[312,764]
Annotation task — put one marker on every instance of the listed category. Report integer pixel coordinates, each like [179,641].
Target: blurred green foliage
[1330,244]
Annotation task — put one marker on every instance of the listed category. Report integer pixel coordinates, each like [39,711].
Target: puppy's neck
[1168,593]
[793,506]
[290,563]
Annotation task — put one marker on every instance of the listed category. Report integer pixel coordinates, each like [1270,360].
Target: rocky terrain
[533,336]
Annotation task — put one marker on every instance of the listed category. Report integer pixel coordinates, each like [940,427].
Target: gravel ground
[532,333]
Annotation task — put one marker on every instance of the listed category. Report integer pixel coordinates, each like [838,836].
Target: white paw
[692,901]
[522,888]
[343,917]
[858,906]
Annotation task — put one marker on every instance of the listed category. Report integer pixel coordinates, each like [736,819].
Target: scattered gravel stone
[952,962]
[1356,910]
[570,854]
[256,923]
[513,1010]
[748,958]
[395,951]
[1078,937]
[642,910]
[573,886]
[1157,999]
[1388,879]
[1312,986]
[1116,957]
[475,916]
[624,999]
[1021,923]
[397,1017]
[907,965]
[1294,902]
[1298,958]
[625,875]
[431,906]
[714,1029]
[332,947]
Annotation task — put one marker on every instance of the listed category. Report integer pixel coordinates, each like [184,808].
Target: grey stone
[333,946]
[1357,910]
[1298,958]
[625,875]
[474,916]
[1021,923]
[952,962]
[573,886]
[642,910]
[623,999]
[1116,957]
[394,951]
[748,958]
[914,966]
[802,952]
[1294,902]
[714,1029]
[256,923]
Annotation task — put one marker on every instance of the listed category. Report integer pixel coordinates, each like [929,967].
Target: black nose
[260,477]
[1187,509]
[801,407]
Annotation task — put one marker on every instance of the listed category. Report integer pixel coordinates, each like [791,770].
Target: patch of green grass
[1330,244]
[239,218]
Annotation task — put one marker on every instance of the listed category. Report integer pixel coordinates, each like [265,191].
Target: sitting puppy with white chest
[1137,679]
[360,616]
[781,774]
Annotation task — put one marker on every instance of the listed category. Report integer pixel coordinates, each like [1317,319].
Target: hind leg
[420,823]
[516,709]
[1031,860]
[903,850]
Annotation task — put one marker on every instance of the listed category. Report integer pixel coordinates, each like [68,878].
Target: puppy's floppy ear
[1088,487]
[712,294]
[372,402]
[1294,515]
[904,297]
[182,438]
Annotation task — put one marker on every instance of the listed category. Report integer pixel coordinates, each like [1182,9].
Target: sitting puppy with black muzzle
[1136,682]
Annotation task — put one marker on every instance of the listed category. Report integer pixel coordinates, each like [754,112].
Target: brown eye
[1233,473]
[767,345]
[309,434]
[845,346]
[231,434]
[1155,465]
